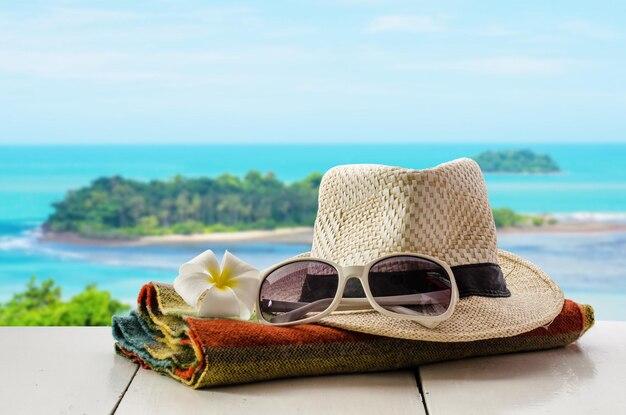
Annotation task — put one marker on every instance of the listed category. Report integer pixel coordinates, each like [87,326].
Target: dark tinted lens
[411,285]
[298,290]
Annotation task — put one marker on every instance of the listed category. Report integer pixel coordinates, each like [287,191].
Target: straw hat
[366,211]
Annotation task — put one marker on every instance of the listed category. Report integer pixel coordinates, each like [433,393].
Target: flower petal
[233,267]
[191,286]
[218,303]
[192,267]
[244,312]
[253,273]
[205,262]
[247,290]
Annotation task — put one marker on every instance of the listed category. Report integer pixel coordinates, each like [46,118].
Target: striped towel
[161,335]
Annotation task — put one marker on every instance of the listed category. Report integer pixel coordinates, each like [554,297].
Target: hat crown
[366,211]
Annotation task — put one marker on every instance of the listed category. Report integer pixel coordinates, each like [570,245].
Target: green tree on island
[116,207]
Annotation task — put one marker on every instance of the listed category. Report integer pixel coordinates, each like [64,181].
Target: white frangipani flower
[229,291]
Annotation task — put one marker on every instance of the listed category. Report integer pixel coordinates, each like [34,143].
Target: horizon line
[310,143]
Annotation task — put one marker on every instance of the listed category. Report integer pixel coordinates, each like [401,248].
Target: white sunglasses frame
[361,272]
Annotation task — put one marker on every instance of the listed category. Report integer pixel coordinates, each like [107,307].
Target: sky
[319,71]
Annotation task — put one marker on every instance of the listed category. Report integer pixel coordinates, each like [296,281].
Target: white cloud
[108,45]
[502,32]
[498,66]
[589,29]
[424,24]
[72,65]
[343,88]
[188,66]
[498,31]
[77,17]
[68,17]
[75,26]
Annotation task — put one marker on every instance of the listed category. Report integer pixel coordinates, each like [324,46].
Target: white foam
[9,243]
[29,241]
[25,241]
[136,260]
[58,253]
[600,217]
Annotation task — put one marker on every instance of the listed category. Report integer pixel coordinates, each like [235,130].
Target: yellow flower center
[223,279]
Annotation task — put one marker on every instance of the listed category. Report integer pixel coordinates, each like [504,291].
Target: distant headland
[516,161]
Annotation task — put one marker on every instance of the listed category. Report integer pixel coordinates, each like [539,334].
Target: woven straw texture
[366,211]
[200,353]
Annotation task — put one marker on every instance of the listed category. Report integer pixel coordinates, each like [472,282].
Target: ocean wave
[28,241]
[599,217]
[10,243]
[552,186]
[25,240]
[141,261]
[61,254]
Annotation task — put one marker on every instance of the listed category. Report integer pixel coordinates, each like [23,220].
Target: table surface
[73,370]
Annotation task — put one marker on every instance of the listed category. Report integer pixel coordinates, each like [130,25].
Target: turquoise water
[594,178]
[588,267]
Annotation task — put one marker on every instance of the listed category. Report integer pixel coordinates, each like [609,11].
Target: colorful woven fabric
[162,336]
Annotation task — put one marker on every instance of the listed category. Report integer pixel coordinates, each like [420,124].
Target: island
[120,208]
[254,207]
[516,161]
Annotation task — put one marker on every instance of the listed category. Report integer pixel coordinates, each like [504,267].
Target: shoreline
[304,235]
[298,235]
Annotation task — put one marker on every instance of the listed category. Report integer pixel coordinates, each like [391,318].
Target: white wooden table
[73,370]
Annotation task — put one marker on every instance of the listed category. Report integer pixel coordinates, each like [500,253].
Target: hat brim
[534,302]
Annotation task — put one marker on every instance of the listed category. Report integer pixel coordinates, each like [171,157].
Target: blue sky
[312,71]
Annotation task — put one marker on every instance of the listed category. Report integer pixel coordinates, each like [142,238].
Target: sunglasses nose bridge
[353,271]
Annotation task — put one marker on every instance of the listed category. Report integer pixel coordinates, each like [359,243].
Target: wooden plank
[388,393]
[583,378]
[61,370]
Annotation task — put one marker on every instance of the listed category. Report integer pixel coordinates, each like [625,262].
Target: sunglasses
[408,286]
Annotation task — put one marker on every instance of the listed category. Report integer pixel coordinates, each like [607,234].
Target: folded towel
[163,335]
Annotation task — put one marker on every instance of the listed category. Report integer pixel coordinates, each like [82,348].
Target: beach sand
[302,235]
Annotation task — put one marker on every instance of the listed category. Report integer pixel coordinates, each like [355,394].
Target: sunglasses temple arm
[282,306]
[433,297]
[297,309]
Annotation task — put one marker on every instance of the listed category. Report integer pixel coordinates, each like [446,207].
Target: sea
[590,268]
